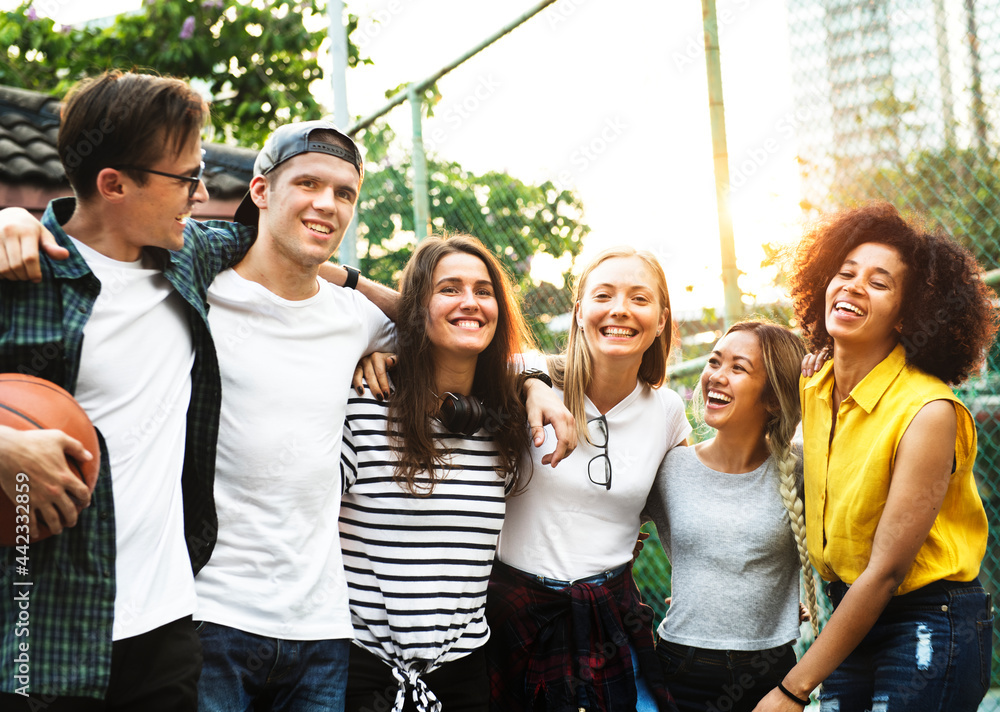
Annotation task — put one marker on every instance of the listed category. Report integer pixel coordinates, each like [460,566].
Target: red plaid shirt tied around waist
[557,650]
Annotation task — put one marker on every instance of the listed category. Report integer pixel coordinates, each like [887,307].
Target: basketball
[30,403]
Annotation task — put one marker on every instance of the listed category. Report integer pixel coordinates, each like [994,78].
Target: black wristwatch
[535,373]
[352,277]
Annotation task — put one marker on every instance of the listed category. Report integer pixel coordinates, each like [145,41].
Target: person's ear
[110,185]
[258,192]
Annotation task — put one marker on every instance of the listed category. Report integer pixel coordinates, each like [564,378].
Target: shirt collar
[867,393]
[57,214]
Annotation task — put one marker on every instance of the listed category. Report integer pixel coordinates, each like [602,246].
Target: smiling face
[864,299]
[619,310]
[306,205]
[162,205]
[734,383]
[462,310]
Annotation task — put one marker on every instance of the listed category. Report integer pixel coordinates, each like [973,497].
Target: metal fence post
[716,107]
[348,252]
[421,203]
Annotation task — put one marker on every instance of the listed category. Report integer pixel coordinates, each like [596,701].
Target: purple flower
[187,29]
[212,4]
[31,14]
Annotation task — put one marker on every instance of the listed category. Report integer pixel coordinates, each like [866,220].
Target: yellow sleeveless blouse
[847,481]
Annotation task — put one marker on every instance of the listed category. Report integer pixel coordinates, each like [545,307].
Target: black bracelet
[535,373]
[352,277]
[804,703]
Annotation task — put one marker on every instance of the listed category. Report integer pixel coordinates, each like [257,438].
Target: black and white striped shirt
[417,567]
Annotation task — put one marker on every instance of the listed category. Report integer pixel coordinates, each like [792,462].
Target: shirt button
[105,515]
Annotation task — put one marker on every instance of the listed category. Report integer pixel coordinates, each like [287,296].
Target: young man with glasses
[118,319]
[278,332]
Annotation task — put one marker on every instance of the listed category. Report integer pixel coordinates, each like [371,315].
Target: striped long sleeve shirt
[417,567]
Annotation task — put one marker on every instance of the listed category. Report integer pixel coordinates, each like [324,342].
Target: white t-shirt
[277,569]
[565,526]
[135,384]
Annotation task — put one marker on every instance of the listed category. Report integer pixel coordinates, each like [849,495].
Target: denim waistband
[836,590]
[596,579]
[708,656]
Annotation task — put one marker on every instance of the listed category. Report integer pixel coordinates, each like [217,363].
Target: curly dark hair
[948,320]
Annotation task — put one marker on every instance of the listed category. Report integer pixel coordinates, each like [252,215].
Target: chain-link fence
[522,222]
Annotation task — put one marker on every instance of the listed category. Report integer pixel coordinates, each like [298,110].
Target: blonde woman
[730,518]
[568,628]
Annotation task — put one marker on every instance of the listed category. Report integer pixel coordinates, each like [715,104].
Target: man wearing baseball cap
[272,601]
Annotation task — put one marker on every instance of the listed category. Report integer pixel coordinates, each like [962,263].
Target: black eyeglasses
[193,180]
[603,476]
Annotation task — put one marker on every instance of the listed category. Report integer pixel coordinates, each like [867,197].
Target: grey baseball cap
[287,142]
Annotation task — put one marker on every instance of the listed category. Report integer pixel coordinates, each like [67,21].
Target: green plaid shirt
[72,596]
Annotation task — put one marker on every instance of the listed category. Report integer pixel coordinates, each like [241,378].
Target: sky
[608,98]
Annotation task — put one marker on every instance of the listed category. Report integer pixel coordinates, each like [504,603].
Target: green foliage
[953,188]
[652,574]
[258,59]
[519,220]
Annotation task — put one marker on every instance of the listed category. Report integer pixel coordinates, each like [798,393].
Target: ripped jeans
[930,650]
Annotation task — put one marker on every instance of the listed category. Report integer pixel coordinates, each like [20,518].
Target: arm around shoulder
[217,245]
[385,298]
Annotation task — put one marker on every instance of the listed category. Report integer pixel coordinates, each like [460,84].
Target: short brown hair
[122,118]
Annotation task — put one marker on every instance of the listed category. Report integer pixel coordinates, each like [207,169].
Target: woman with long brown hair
[427,475]
[729,513]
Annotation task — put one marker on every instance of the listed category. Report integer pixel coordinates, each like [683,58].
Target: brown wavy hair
[496,381]
[948,320]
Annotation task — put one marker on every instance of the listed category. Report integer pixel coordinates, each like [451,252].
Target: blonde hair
[782,353]
[573,370]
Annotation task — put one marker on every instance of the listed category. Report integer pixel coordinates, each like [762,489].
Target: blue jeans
[703,680]
[243,671]
[930,650]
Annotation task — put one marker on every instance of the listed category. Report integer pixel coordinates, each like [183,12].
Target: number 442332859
[21,518]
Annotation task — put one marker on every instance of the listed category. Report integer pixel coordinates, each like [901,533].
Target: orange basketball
[30,403]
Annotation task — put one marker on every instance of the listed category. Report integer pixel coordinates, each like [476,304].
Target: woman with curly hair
[894,520]
[730,518]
